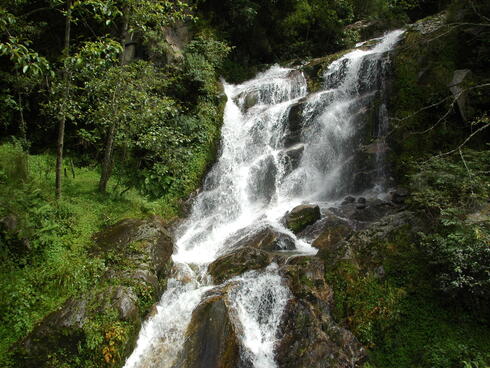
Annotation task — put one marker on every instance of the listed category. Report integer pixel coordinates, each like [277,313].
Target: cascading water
[280,148]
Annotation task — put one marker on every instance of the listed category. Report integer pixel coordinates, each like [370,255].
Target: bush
[453,192]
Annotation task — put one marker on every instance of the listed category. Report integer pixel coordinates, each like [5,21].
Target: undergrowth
[44,244]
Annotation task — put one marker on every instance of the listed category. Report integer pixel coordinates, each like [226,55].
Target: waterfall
[280,147]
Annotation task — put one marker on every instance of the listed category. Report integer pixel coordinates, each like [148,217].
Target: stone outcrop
[251,252]
[211,341]
[301,216]
[238,262]
[112,311]
[310,336]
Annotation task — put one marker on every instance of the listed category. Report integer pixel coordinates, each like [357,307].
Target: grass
[56,264]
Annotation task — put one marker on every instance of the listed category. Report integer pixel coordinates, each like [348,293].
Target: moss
[400,316]
[423,66]
[314,70]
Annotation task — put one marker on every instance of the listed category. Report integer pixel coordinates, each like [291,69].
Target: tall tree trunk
[62,122]
[23,126]
[107,163]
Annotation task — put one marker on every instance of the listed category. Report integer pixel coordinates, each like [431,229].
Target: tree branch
[462,144]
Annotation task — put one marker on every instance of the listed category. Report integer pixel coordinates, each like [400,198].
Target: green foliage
[454,191]
[366,304]
[402,319]
[45,258]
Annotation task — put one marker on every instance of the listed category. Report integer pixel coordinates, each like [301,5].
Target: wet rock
[302,216]
[348,199]
[211,341]
[238,262]
[334,230]
[262,180]
[369,211]
[247,99]
[361,203]
[310,337]
[292,156]
[294,125]
[371,65]
[399,195]
[266,239]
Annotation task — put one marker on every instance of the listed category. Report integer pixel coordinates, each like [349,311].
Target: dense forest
[113,109]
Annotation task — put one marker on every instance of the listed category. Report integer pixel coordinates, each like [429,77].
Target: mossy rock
[334,230]
[301,216]
[309,336]
[99,327]
[238,262]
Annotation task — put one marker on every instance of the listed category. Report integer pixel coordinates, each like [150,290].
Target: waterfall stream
[281,147]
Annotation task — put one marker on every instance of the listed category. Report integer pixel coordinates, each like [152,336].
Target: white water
[259,302]
[268,164]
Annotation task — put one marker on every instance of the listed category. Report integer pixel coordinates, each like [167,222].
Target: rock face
[211,341]
[140,251]
[461,80]
[238,262]
[311,338]
[266,239]
[302,216]
[251,252]
[333,231]
[364,210]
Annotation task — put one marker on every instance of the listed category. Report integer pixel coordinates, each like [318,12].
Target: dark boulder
[348,199]
[292,157]
[301,216]
[334,230]
[369,211]
[399,195]
[238,262]
[211,341]
[266,239]
[262,180]
[294,124]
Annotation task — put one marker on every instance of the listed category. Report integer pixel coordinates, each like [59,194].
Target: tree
[65,96]
[28,66]
[138,16]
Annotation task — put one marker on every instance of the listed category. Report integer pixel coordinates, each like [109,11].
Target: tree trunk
[107,163]
[62,122]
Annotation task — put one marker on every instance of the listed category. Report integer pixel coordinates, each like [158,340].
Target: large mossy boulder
[301,216]
[101,325]
[238,262]
[252,251]
[211,340]
[310,336]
